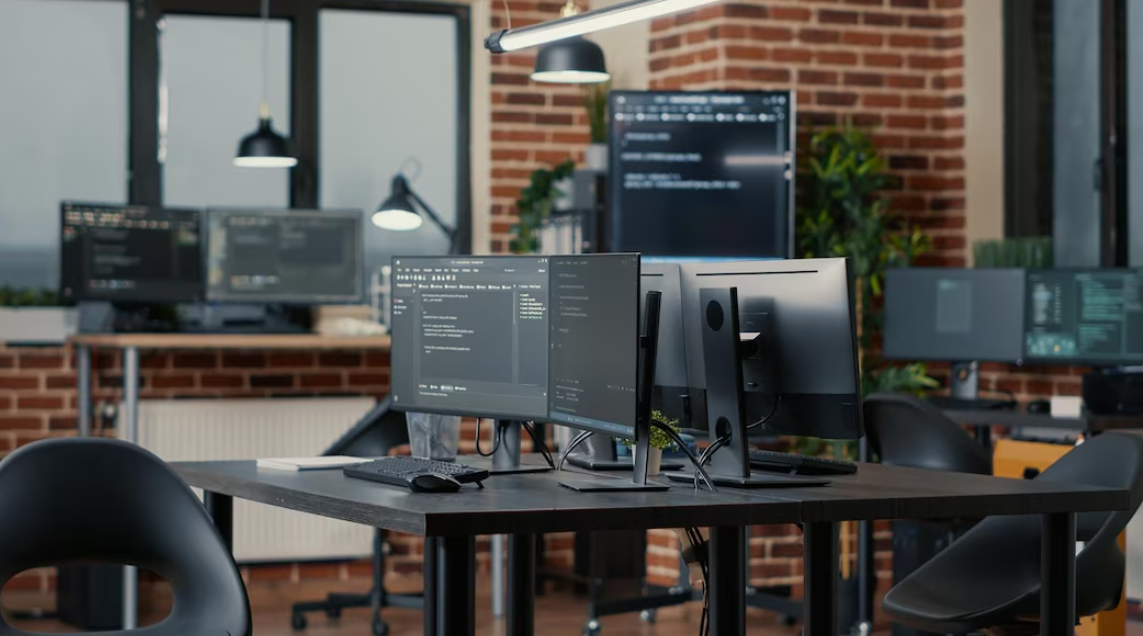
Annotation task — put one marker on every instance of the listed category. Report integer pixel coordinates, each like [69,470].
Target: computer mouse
[433,482]
[1039,407]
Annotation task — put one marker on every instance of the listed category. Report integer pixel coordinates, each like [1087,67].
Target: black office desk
[522,505]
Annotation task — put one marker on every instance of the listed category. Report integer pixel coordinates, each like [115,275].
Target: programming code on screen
[470,335]
[130,253]
[702,174]
[284,256]
[1094,316]
[594,341]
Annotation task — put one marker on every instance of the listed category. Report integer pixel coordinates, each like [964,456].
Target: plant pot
[37,325]
[595,157]
[654,461]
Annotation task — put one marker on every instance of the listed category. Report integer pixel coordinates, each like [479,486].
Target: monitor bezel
[1068,362]
[133,297]
[284,299]
[791,204]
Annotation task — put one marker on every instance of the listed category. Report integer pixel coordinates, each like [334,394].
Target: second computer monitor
[797,320]
[593,359]
[1092,316]
[470,336]
[959,315]
[284,256]
[671,392]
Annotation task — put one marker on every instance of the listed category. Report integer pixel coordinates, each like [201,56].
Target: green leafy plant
[659,439]
[535,205]
[1033,252]
[843,211]
[595,102]
[28,297]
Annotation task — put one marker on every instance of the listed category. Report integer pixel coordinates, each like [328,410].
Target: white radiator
[200,430]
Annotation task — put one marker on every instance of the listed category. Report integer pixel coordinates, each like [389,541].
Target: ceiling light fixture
[264,148]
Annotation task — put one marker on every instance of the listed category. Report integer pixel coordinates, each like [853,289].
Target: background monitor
[594,336]
[802,312]
[1092,316]
[671,392]
[702,174]
[470,336]
[284,256]
[134,254]
[959,315]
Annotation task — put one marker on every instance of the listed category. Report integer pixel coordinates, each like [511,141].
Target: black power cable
[536,443]
[495,440]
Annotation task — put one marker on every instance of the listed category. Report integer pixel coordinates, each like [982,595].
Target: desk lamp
[399,213]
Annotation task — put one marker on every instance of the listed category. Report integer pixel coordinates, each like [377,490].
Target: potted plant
[595,102]
[659,442]
[34,317]
[535,205]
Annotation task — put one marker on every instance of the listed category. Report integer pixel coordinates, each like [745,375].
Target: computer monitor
[129,254]
[470,336]
[671,390]
[594,338]
[1088,316]
[702,173]
[796,320]
[954,314]
[284,256]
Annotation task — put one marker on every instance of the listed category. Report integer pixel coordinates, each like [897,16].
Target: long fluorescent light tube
[588,22]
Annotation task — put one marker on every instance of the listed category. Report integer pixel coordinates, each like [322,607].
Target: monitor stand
[722,358]
[600,456]
[964,381]
[648,346]
[506,459]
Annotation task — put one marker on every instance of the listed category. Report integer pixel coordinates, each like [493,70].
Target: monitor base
[598,484]
[527,464]
[613,465]
[756,480]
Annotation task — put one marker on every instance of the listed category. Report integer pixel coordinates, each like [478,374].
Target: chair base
[335,603]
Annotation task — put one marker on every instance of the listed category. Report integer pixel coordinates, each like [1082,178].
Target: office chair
[95,500]
[374,435]
[990,578]
[904,430]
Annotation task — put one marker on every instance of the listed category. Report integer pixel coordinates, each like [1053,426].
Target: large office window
[63,124]
[209,94]
[379,114]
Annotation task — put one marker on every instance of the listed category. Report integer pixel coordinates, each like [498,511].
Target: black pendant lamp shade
[573,60]
[264,148]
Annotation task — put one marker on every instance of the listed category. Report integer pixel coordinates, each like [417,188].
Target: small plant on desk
[659,441]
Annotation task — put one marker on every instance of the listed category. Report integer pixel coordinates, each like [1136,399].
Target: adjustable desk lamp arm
[450,232]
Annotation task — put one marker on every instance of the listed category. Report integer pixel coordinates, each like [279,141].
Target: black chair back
[905,430]
[77,501]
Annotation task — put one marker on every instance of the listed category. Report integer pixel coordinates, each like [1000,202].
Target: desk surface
[1020,419]
[230,341]
[537,503]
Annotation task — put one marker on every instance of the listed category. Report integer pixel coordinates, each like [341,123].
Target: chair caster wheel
[333,612]
[298,621]
[380,627]
[592,628]
[647,616]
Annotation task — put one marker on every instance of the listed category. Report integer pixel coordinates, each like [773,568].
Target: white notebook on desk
[309,463]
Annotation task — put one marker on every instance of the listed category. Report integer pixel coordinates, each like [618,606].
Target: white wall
[627,51]
[984,121]
[63,124]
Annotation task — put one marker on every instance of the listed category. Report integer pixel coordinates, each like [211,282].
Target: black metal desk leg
[221,510]
[1058,575]
[430,572]
[521,584]
[728,581]
[821,579]
[456,602]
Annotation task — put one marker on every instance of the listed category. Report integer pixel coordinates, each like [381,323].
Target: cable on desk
[576,441]
[495,440]
[773,410]
[699,470]
[531,428]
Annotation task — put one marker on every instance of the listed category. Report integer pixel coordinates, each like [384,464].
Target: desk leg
[131,434]
[497,542]
[83,388]
[1058,575]
[821,578]
[728,581]
[456,585]
[221,510]
[431,575]
[521,584]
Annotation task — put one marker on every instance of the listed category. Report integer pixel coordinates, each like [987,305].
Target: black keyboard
[396,471]
[774,461]
[947,403]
